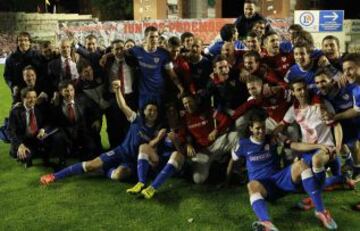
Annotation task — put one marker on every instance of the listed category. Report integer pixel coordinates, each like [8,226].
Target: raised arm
[129,113]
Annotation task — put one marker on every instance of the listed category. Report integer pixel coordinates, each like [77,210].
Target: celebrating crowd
[287,109]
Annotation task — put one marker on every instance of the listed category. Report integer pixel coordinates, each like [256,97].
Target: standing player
[268,182]
[152,61]
[351,63]
[306,66]
[120,162]
[276,59]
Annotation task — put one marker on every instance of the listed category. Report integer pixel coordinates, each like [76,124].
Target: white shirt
[127,74]
[313,129]
[73,69]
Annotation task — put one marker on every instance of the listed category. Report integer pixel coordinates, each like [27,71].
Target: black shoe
[28,163]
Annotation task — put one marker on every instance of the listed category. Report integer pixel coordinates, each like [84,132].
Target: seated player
[268,182]
[165,159]
[342,100]
[120,162]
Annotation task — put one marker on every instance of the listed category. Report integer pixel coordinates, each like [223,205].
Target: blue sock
[335,166]
[259,206]
[332,180]
[320,175]
[142,168]
[109,172]
[313,189]
[75,169]
[165,173]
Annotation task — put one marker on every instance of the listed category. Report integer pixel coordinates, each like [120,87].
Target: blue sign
[331,20]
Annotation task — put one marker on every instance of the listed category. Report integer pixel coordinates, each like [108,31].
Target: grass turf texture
[92,202]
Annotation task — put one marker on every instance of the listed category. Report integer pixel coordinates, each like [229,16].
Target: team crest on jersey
[346,97]
[267,147]
[156,60]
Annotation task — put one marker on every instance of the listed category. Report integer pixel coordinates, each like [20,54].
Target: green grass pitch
[93,202]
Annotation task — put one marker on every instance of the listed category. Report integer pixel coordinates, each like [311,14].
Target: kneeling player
[268,182]
[143,129]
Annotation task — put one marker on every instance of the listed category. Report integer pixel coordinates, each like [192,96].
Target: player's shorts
[279,184]
[115,158]
[164,150]
[307,157]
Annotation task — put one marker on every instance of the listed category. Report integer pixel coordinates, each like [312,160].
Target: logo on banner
[307,19]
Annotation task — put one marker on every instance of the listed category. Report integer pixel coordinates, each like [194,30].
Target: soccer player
[276,59]
[152,61]
[120,162]
[208,140]
[200,67]
[305,67]
[164,157]
[181,68]
[351,63]
[330,46]
[268,182]
[228,91]
[254,67]
[187,40]
[307,111]
[341,99]
[228,33]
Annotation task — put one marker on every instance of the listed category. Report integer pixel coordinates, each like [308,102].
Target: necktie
[71,112]
[32,123]
[67,69]
[121,76]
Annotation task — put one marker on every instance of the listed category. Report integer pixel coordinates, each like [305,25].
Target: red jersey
[280,63]
[182,69]
[200,124]
[275,105]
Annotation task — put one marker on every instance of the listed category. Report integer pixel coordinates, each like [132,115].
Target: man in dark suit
[62,68]
[27,130]
[69,115]
[117,69]
[91,53]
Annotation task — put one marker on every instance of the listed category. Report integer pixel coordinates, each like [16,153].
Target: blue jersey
[297,72]
[137,134]
[341,99]
[356,97]
[261,158]
[215,48]
[286,46]
[152,80]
